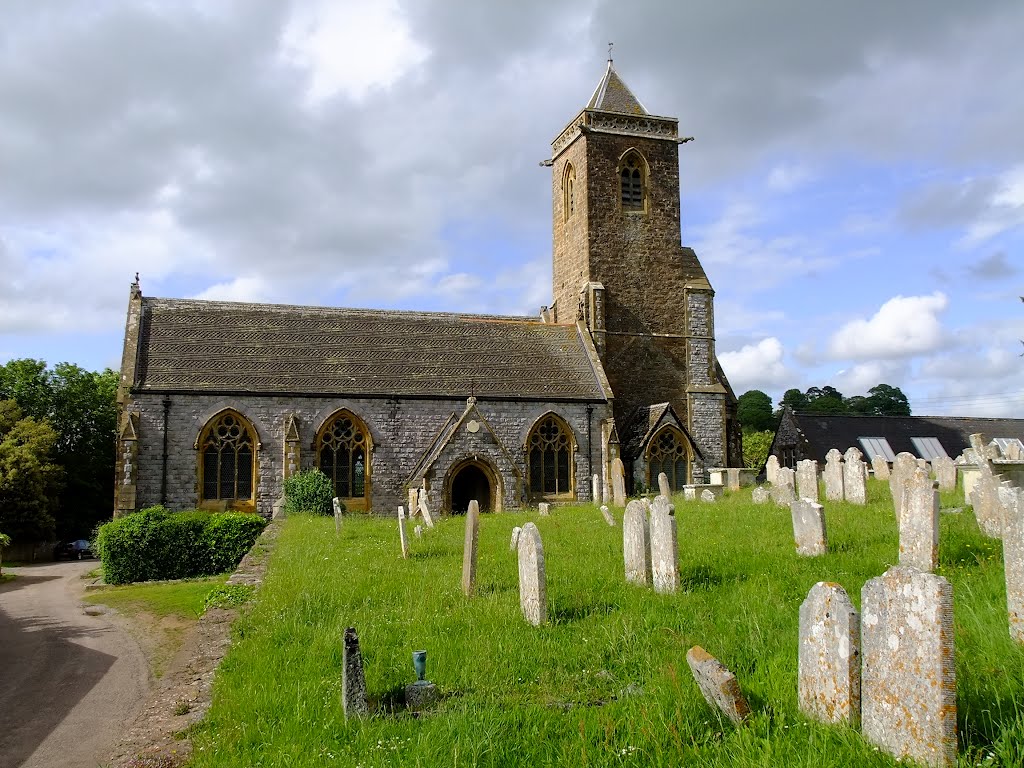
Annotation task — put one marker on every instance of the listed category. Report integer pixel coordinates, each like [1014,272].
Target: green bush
[309,491]
[158,544]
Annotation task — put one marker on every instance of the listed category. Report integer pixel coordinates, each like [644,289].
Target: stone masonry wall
[707,426]
[569,234]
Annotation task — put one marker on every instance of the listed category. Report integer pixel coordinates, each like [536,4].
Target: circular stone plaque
[473,425]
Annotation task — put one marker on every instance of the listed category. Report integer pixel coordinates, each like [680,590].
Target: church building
[220,402]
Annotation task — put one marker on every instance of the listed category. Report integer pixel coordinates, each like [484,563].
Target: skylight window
[876,446]
[929,448]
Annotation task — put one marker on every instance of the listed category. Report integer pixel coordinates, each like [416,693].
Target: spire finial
[610,46]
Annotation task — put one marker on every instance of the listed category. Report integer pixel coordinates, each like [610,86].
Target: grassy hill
[606,681]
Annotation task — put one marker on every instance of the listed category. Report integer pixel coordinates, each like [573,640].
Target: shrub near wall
[158,544]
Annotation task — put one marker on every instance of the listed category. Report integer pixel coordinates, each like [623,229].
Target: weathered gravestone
[418,530]
[880,467]
[607,515]
[595,489]
[513,544]
[689,493]
[618,483]
[1014,452]
[771,467]
[809,528]
[718,685]
[403,536]
[636,544]
[662,502]
[784,490]
[919,522]
[544,509]
[664,551]
[908,679]
[833,475]
[902,468]
[414,506]
[336,504]
[708,496]
[945,473]
[1013,560]
[353,679]
[807,479]
[424,508]
[533,589]
[469,547]
[923,464]
[987,507]
[853,477]
[760,495]
[828,686]
[663,486]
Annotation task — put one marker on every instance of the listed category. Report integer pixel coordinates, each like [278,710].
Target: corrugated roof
[188,345]
[613,95]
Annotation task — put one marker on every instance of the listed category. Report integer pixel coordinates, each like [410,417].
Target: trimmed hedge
[156,543]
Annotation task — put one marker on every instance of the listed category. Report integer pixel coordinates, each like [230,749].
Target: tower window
[569,191]
[631,175]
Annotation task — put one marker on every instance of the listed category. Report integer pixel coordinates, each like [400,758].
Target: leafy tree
[825,400]
[755,448]
[795,399]
[885,400]
[755,411]
[29,481]
[5,541]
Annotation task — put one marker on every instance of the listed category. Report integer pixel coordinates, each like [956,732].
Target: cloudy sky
[855,191]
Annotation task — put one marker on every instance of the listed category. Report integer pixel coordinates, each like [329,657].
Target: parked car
[74,550]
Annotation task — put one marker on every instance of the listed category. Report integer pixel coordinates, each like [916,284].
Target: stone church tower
[620,266]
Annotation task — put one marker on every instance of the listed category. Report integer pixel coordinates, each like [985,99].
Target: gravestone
[595,489]
[807,479]
[987,508]
[919,522]
[760,495]
[854,471]
[663,486]
[1013,560]
[664,551]
[336,503]
[784,490]
[908,679]
[833,475]
[403,537]
[707,496]
[689,493]
[902,468]
[469,548]
[828,680]
[945,473]
[607,515]
[923,464]
[418,530]
[718,685]
[732,478]
[880,467]
[662,502]
[414,507]
[618,483]
[513,544]
[424,508]
[533,590]
[353,680]
[809,528]
[636,544]
[786,476]
[771,467]
[1014,452]
[544,509]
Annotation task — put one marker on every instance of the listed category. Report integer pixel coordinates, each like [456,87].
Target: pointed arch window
[227,447]
[667,452]
[549,460]
[631,178]
[569,191]
[343,453]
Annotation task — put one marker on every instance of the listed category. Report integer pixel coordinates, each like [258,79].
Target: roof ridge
[613,95]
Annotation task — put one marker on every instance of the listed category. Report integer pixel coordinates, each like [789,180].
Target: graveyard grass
[605,682]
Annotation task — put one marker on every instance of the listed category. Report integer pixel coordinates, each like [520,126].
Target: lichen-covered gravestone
[945,473]
[880,467]
[618,483]
[708,496]
[607,515]
[664,551]
[771,467]
[760,495]
[353,679]
[636,548]
[908,679]
[533,590]
[833,475]
[784,490]
[403,537]
[544,509]
[919,522]
[809,528]
[988,508]
[902,468]
[1013,560]
[853,477]
[513,544]
[662,502]
[663,486]
[718,685]
[828,687]
[469,547]
[807,479]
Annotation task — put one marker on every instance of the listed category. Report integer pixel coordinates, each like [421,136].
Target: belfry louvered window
[631,175]
[228,459]
[667,453]
[549,458]
[343,452]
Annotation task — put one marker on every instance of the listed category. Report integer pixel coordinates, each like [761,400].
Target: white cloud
[1005,209]
[863,376]
[253,288]
[756,366]
[786,177]
[904,326]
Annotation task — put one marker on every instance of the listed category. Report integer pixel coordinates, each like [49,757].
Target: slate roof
[823,432]
[189,346]
[613,95]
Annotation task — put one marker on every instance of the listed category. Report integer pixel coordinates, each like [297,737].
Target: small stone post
[469,548]
[595,489]
[353,680]
[336,503]
[533,590]
[402,535]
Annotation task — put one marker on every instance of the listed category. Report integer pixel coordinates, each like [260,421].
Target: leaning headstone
[664,551]
[902,469]
[403,537]
[880,467]
[663,503]
[809,528]
[336,503]
[919,522]
[945,473]
[424,508]
[708,496]
[771,467]
[469,548]
[513,544]
[595,489]
[636,544]
[717,684]
[1013,560]
[760,495]
[618,483]
[833,475]
[414,506]
[908,678]
[807,479]
[607,515]
[533,590]
[663,486]
[353,679]
[544,509]
[828,682]
[853,477]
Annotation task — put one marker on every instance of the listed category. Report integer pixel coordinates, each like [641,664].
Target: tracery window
[343,453]
[549,459]
[569,191]
[631,174]
[228,459]
[667,453]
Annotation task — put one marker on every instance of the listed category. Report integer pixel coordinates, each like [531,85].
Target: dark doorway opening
[470,482]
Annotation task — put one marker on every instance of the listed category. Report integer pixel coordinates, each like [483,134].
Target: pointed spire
[613,95]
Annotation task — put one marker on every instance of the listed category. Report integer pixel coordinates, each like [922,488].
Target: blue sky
[855,190]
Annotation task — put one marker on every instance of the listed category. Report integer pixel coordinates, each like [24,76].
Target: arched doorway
[468,481]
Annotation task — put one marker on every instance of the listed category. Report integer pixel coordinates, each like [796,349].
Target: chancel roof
[613,95]
[191,346]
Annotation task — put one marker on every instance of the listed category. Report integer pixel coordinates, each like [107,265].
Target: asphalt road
[69,683]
